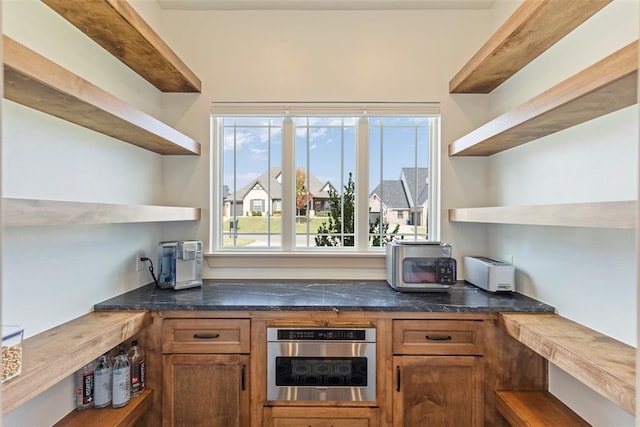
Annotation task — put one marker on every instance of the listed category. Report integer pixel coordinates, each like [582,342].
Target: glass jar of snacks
[11,351]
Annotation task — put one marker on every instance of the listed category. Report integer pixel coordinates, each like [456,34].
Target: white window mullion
[361,213]
[288,185]
[433,216]
[216,179]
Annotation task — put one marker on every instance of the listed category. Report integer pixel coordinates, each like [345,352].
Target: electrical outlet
[139,262]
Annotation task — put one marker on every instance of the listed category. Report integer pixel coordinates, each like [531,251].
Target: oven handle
[206,336]
[398,381]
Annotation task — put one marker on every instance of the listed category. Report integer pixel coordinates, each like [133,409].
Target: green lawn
[258,224]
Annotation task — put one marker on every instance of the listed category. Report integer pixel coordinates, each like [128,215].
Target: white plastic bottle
[136,361]
[121,393]
[103,376]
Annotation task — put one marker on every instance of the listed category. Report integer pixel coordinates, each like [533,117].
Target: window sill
[293,265]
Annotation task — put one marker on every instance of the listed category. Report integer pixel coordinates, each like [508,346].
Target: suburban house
[263,196]
[402,201]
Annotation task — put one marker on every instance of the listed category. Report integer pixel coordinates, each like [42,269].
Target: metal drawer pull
[243,381]
[206,336]
[438,337]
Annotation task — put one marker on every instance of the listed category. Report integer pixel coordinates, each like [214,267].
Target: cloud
[241,138]
[276,133]
[314,133]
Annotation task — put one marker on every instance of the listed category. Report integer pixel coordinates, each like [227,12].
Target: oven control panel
[321,334]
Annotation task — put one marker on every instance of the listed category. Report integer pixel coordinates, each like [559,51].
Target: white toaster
[489,274]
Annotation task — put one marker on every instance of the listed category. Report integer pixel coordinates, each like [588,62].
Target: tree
[340,228]
[303,197]
[378,232]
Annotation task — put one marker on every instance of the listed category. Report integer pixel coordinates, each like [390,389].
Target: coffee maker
[180,264]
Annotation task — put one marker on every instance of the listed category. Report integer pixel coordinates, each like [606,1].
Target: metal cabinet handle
[398,382]
[242,378]
[206,336]
[438,337]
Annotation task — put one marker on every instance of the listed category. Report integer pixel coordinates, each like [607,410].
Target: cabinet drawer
[438,337]
[205,336]
[320,417]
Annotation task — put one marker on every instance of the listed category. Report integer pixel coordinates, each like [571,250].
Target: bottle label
[142,375]
[87,387]
[121,390]
[102,395]
[137,376]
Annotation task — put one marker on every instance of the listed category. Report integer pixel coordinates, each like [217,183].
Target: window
[324,176]
[256,205]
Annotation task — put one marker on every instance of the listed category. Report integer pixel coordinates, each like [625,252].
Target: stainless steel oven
[333,364]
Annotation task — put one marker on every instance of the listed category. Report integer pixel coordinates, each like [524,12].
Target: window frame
[361,176]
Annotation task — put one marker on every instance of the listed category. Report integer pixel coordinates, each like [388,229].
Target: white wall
[589,275]
[327,56]
[53,274]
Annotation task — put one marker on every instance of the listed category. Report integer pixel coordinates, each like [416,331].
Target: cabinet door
[320,417]
[205,390]
[438,391]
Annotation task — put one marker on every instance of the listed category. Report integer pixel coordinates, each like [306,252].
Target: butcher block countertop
[305,295]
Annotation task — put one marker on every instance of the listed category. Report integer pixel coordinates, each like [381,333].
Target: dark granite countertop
[306,295]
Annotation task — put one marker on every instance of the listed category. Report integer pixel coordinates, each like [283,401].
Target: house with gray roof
[263,195]
[402,201]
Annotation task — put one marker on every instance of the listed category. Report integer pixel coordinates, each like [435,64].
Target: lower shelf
[600,214]
[536,408]
[602,363]
[108,417]
[31,212]
[68,347]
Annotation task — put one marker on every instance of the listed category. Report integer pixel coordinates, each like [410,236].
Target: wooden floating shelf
[119,29]
[536,408]
[30,212]
[534,27]
[110,417]
[607,86]
[598,215]
[32,80]
[605,365]
[53,355]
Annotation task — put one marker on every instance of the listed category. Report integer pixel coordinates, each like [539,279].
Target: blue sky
[331,147]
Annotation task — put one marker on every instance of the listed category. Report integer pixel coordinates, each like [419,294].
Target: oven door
[321,370]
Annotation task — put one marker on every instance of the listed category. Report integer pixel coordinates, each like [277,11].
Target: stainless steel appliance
[420,266]
[328,364]
[180,264]
[490,274]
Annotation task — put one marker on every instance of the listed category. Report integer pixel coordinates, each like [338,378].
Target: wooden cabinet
[438,391]
[205,390]
[205,372]
[320,417]
[438,373]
